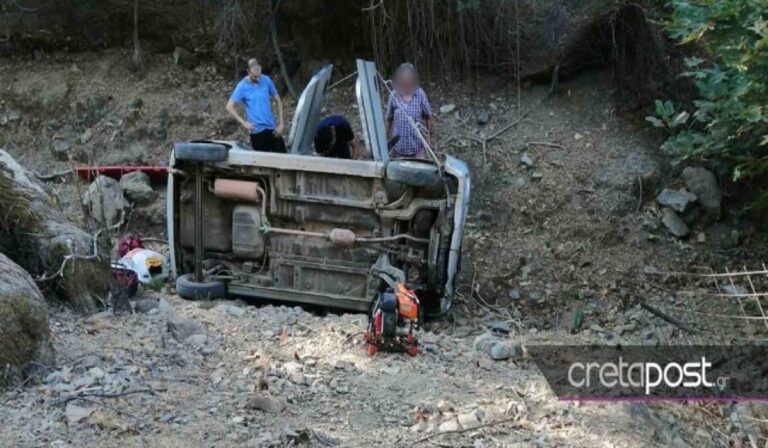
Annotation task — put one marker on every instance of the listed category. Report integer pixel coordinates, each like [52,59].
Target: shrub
[727,125]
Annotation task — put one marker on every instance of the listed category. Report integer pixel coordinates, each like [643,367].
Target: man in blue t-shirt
[255,92]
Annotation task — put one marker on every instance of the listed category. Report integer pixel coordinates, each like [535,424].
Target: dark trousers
[267,141]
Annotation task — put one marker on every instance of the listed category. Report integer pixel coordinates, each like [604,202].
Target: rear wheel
[188,288]
[200,152]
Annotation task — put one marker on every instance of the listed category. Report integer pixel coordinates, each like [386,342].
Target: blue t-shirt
[255,97]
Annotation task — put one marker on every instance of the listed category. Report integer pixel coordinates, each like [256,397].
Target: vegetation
[727,124]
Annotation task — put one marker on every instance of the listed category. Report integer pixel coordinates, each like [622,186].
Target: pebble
[265,402]
[469,419]
[75,414]
[447,108]
[526,160]
[232,310]
[502,351]
[197,340]
[484,342]
[449,425]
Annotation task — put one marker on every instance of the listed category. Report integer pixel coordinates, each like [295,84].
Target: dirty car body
[301,228]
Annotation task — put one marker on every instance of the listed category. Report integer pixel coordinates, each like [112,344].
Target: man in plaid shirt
[408,105]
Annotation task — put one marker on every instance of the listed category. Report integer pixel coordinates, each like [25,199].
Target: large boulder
[35,234]
[104,200]
[137,188]
[25,337]
[703,184]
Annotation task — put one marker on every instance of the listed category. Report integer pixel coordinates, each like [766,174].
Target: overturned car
[300,228]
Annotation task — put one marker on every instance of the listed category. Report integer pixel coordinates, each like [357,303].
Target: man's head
[406,78]
[325,139]
[254,69]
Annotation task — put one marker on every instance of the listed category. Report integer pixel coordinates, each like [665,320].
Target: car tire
[188,288]
[413,173]
[200,152]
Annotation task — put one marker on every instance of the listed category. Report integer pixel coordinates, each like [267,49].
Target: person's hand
[279,130]
[249,126]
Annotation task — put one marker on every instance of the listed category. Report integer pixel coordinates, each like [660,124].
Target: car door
[371,113]
[307,113]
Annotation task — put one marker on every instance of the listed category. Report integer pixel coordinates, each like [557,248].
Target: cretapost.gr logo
[655,373]
[645,375]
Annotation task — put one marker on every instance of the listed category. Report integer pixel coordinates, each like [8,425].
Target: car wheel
[413,173]
[188,288]
[200,152]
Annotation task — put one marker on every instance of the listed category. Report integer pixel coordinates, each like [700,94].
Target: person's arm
[233,111]
[276,96]
[280,126]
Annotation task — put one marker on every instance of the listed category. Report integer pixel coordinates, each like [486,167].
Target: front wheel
[188,288]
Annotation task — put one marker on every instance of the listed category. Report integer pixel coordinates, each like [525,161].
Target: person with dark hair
[256,92]
[334,138]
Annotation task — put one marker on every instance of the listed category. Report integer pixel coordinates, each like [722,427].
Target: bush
[727,125]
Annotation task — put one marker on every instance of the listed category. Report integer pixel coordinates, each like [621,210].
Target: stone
[503,350]
[146,305]
[265,402]
[722,236]
[468,420]
[501,327]
[704,185]
[484,342]
[24,332]
[526,160]
[76,414]
[184,58]
[449,425]
[514,294]
[182,329]
[673,223]
[136,153]
[217,377]
[196,340]
[447,108]
[137,188]
[483,118]
[677,200]
[61,149]
[104,200]
[232,310]
[83,381]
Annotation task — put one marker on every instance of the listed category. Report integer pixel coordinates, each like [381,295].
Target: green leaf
[578,320]
[656,122]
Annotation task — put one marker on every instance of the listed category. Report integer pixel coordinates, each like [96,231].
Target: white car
[301,228]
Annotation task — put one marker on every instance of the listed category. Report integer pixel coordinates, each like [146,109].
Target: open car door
[307,113]
[371,114]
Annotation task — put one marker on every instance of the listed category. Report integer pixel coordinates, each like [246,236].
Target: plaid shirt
[398,110]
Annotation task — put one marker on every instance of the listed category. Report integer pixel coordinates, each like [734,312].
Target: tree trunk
[137,55]
[276,45]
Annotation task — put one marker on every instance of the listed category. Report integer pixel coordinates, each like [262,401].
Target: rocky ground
[564,239]
[180,373]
